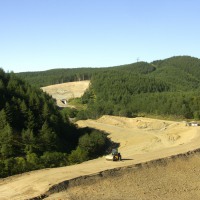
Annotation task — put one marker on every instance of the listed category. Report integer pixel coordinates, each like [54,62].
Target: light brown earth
[66,91]
[142,174]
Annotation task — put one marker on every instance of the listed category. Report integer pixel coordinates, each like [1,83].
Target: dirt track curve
[141,140]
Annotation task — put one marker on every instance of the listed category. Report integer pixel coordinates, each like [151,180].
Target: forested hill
[163,87]
[34,134]
[169,87]
[56,76]
[182,72]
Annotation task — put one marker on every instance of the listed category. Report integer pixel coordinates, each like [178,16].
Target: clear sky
[38,35]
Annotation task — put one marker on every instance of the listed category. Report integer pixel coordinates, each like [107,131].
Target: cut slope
[66,91]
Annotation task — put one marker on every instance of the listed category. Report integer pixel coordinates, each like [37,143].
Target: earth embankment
[174,178]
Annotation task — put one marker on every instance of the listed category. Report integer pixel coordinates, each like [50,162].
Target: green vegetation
[56,76]
[167,87]
[34,134]
[77,103]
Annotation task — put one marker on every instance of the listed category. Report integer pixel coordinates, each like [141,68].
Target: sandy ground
[167,179]
[141,140]
[66,91]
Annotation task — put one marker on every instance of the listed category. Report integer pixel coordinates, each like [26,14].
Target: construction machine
[115,156]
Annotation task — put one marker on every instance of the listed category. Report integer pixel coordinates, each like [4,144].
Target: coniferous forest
[34,134]
[169,87]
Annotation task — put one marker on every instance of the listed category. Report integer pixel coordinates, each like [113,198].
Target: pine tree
[6,141]
[3,119]
[29,141]
[48,138]
[8,112]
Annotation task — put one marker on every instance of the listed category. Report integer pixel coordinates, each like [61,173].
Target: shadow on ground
[124,159]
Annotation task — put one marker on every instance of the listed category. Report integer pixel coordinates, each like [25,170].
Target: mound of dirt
[139,135]
[141,123]
[152,125]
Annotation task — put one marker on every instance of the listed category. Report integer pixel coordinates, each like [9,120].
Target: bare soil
[165,179]
[150,168]
[66,91]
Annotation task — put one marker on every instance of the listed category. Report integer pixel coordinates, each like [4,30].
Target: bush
[69,112]
[77,156]
[93,143]
[54,159]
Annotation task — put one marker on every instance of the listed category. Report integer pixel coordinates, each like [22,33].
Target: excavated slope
[65,91]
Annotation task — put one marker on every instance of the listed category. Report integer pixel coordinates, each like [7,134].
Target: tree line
[57,76]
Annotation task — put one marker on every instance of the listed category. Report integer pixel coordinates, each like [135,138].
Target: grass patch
[77,103]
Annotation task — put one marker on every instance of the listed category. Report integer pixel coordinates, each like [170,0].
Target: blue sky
[39,35]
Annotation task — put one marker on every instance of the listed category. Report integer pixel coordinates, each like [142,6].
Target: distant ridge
[165,69]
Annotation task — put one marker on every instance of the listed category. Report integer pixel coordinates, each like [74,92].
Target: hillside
[173,70]
[182,71]
[168,87]
[149,147]
[165,179]
[34,134]
[31,129]
[141,140]
[57,76]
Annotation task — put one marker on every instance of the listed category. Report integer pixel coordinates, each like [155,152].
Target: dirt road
[141,140]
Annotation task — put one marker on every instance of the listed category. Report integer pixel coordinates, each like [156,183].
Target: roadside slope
[174,178]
